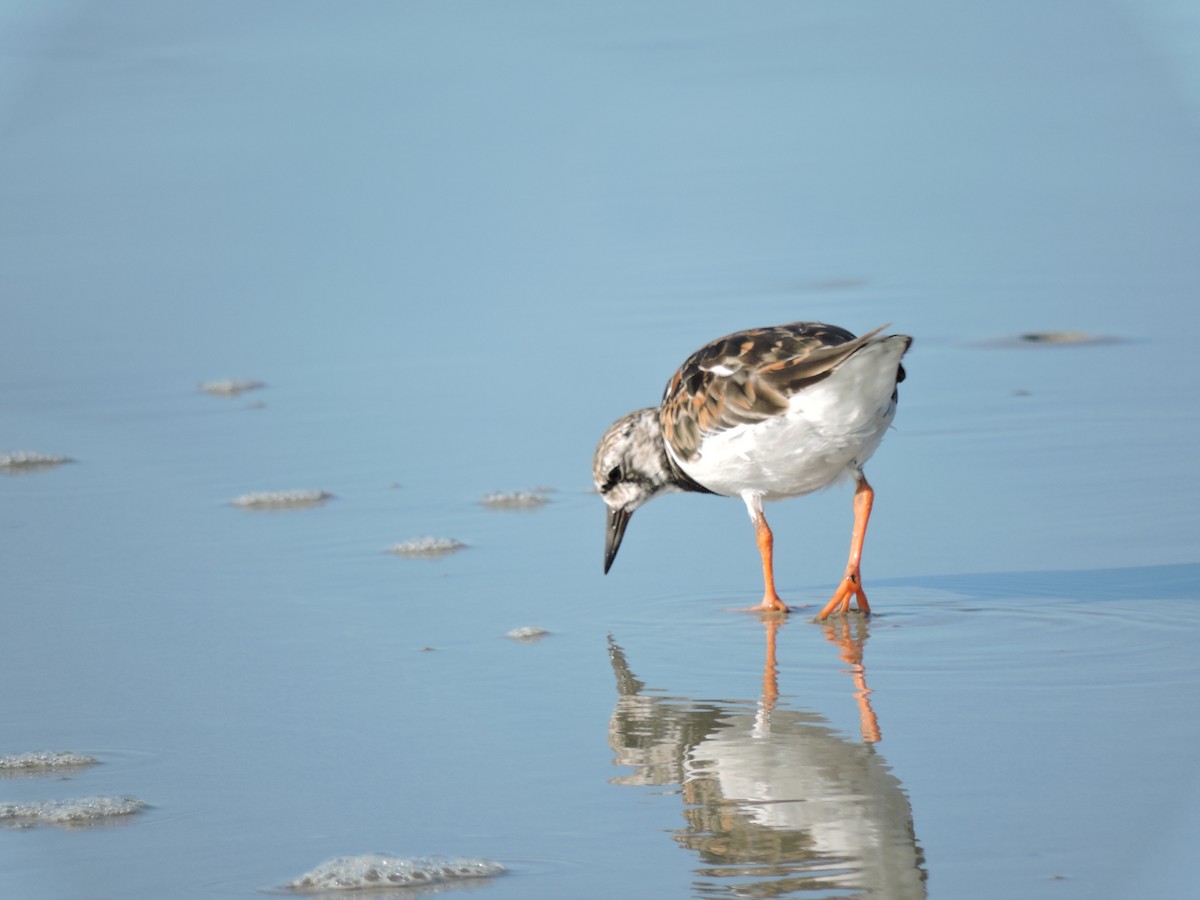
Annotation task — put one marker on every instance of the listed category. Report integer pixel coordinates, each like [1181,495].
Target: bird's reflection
[776,802]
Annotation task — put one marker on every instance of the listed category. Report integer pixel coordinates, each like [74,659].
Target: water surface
[453,244]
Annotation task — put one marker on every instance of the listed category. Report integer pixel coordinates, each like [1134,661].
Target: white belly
[829,431]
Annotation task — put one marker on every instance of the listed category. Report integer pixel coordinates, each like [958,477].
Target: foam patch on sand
[379,870]
[80,811]
[427,547]
[295,499]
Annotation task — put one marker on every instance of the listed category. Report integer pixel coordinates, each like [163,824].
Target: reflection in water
[777,803]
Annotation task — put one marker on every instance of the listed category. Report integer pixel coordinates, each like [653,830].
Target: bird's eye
[613,478]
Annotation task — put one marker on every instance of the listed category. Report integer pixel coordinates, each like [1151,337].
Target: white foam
[427,547]
[294,499]
[231,387]
[43,760]
[80,811]
[515,500]
[380,870]
[527,634]
[28,459]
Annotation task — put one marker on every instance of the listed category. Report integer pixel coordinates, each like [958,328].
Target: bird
[762,414]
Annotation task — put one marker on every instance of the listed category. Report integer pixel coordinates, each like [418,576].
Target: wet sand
[447,248]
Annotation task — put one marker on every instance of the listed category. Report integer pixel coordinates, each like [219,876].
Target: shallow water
[453,244]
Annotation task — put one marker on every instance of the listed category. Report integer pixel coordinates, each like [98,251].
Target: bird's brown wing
[747,377]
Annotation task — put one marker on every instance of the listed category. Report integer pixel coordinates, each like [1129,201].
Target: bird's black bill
[614,530]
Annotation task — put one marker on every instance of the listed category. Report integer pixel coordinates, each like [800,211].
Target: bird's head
[629,468]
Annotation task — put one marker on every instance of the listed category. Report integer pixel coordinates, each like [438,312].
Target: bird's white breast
[830,429]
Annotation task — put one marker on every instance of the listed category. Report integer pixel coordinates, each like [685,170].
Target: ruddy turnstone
[762,414]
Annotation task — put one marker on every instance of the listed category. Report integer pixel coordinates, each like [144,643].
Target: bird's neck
[681,478]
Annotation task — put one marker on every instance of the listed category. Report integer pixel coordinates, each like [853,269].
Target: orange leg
[851,585]
[766,548]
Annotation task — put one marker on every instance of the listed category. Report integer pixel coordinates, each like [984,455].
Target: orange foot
[849,589]
[771,607]
[851,585]
[772,603]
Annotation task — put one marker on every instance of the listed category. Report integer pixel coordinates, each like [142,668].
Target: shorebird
[763,414]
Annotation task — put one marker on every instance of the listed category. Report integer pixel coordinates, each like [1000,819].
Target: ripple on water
[1068,630]
[1030,638]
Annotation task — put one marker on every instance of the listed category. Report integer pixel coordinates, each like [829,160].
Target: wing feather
[747,377]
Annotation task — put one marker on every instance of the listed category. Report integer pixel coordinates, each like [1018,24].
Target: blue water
[456,242]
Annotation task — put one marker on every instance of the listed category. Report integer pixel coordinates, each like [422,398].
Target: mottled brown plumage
[748,377]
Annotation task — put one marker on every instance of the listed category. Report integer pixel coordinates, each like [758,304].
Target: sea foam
[381,870]
[28,460]
[527,634]
[230,387]
[80,811]
[43,761]
[515,499]
[296,499]
[427,547]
